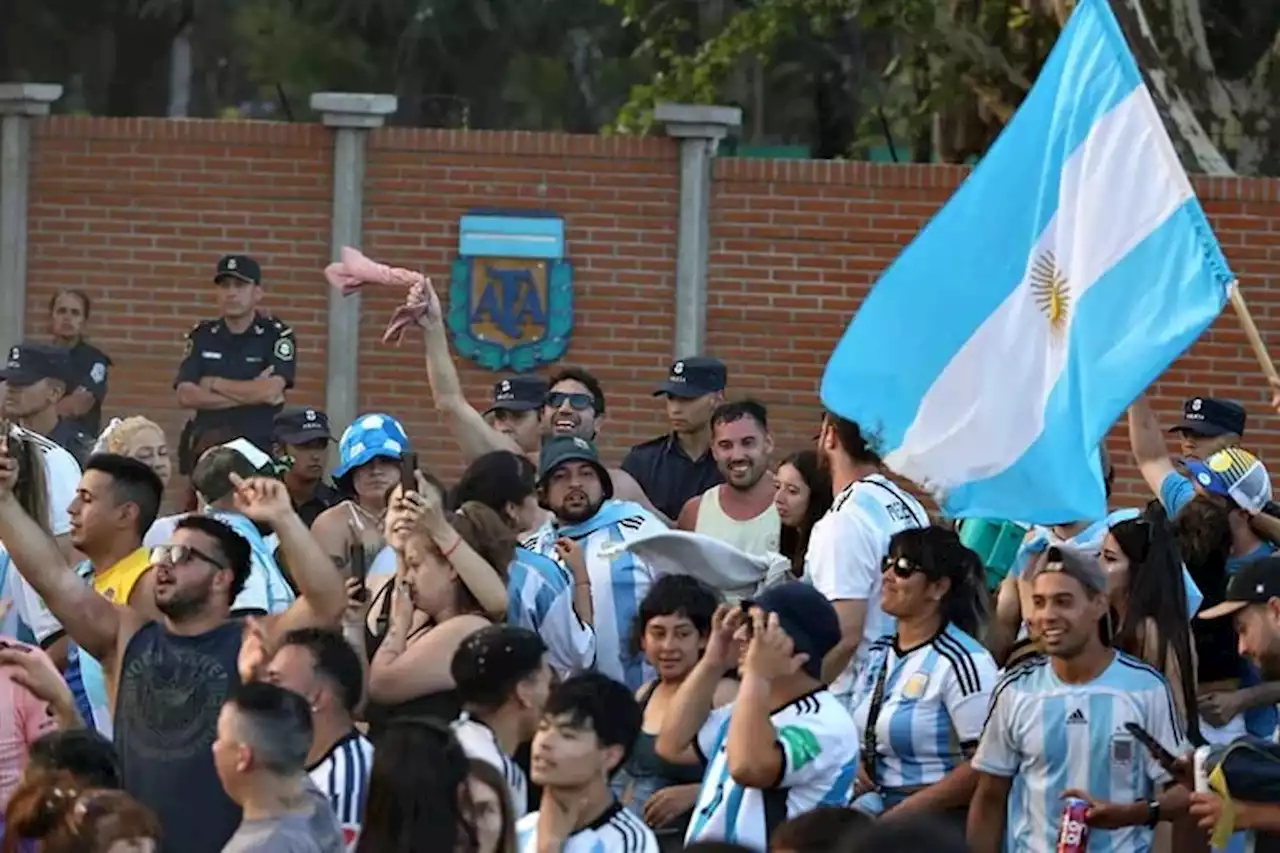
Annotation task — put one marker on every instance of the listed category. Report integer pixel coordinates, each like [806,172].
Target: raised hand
[771,654]
[262,499]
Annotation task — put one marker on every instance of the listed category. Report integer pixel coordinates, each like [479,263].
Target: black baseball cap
[31,362]
[519,394]
[807,616]
[571,448]
[242,267]
[301,425]
[694,377]
[1209,417]
[1256,582]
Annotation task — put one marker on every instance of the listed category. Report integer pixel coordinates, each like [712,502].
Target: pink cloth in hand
[354,270]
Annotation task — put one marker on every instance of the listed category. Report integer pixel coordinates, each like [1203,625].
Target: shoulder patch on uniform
[802,745]
[284,349]
[281,326]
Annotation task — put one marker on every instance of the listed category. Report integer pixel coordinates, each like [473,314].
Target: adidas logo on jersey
[1077,718]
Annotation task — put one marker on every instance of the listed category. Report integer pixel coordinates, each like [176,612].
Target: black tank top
[166,720]
[443,706]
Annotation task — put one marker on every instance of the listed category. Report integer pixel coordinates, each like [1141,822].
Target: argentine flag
[1067,272]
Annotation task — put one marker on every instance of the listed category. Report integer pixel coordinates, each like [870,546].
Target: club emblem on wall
[511,290]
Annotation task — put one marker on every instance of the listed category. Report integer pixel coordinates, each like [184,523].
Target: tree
[949,73]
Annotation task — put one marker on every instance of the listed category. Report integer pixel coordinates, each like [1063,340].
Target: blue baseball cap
[1235,474]
[370,437]
[808,618]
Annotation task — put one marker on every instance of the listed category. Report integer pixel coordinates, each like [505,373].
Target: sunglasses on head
[177,554]
[901,566]
[579,402]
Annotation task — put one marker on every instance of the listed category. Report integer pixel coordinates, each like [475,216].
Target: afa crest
[511,290]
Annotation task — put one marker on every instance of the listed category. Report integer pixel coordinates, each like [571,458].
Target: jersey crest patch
[801,744]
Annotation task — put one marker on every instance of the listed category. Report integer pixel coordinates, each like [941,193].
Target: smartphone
[360,568]
[409,472]
[1163,757]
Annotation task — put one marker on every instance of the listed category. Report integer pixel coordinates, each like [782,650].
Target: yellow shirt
[116,583]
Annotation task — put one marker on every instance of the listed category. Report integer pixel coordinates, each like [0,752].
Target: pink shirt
[23,718]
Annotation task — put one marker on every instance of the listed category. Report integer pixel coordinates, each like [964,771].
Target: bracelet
[456,542]
[586,584]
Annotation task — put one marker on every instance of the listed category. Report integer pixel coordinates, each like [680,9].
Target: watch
[1153,813]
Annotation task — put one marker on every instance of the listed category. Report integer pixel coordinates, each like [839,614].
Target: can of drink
[1073,835]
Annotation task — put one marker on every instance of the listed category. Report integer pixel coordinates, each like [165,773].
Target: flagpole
[1251,332]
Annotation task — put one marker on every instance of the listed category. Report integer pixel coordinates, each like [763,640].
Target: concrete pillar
[19,104]
[351,116]
[699,130]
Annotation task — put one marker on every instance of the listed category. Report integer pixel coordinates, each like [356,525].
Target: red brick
[137,211]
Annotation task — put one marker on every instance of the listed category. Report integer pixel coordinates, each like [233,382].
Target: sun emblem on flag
[1053,296]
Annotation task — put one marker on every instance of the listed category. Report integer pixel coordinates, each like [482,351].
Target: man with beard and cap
[587,534]
[573,406]
[173,675]
[785,744]
[1253,601]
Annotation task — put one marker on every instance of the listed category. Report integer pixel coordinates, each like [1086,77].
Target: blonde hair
[116,437]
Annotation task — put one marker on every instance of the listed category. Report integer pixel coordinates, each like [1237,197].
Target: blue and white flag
[1070,269]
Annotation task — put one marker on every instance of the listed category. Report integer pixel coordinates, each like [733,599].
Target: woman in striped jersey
[921,701]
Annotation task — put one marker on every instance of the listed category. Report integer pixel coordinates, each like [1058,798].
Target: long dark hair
[488,775]
[940,554]
[1155,590]
[794,541]
[418,800]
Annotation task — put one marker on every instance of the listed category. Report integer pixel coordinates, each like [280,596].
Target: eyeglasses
[901,566]
[579,402]
[176,554]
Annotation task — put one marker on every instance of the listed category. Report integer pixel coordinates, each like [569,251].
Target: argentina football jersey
[1049,737]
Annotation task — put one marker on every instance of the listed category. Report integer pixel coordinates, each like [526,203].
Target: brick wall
[136,212]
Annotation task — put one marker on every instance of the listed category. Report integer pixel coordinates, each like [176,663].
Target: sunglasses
[177,554]
[901,566]
[579,402]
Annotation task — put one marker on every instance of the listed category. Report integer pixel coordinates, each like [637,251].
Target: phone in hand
[408,472]
[1163,757]
[360,568]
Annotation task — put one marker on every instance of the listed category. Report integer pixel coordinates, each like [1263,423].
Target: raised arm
[468,426]
[693,702]
[1148,445]
[94,623]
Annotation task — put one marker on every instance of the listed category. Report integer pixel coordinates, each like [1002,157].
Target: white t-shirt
[615,831]
[846,550]
[479,742]
[819,754]
[62,478]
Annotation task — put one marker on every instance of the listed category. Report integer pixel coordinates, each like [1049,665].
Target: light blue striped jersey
[615,831]
[819,758]
[540,598]
[342,775]
[266,590]
[935,703]
[847,549]
[619,581]
[1050,736]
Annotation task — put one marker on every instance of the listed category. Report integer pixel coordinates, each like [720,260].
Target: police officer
[517,410]
[1208,425]
[236,369]
[87,388]
[302,439]
[36,378]
[673,468]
